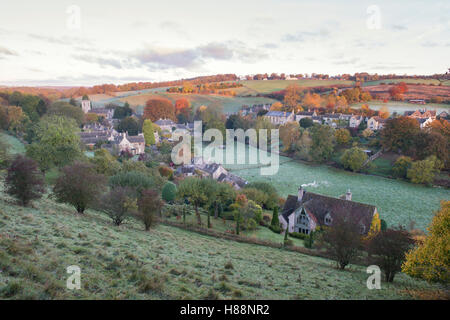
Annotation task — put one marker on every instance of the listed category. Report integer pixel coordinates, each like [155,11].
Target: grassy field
[16,146]
[228,104]
[253,87]
[401,107]
[37,244]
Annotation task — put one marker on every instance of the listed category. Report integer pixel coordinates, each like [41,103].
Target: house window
[362,228]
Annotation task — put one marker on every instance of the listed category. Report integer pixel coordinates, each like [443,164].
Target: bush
[298,235]
[24,181]
[119,204]
[169,192]
[401,167]
[353,159]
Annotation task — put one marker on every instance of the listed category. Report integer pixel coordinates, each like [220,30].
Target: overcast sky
[42,43]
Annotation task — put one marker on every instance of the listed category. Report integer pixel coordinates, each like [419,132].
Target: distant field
[16,146]
[268,86]
[229,104]
[408,81]
[401,107]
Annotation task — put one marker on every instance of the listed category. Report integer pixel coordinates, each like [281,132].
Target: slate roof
[318,206]
[277,114]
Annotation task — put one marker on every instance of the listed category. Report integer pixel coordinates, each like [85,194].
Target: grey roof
[319,206]
[165,122]
[277,114]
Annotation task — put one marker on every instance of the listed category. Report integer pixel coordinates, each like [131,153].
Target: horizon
[62,44]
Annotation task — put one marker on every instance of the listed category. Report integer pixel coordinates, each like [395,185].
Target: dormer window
[328,219]
[362,228]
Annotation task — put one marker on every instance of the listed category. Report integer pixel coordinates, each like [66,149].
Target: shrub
[298,235]
[79,185]
[425,170]
[169,192]
[275,229]
[24,181]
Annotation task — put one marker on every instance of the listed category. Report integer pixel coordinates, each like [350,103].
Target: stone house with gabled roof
[307,211]
[280,117]
[134,144]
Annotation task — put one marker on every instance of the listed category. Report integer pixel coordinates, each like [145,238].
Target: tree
[401,167]
[271,199]
[430,260]
[353,159]
[424,171]
[322,142]
[156,109]
[104,163]
[133,180]
[198,192]
[289,134]
[342,136]
[342,240]
[276,106]
[122,112]
[24,181]
[275,220]
[67,110]
[56,143]
[149,205]
[367,133]
[41,107]
[119,204]
[306,123]
[292,95]
[169,192]
[387,250]
[397,134]
[149,135]
[79,185]
[311,101]
[182,108]
[129,125]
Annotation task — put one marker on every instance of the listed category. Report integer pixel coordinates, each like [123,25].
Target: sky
[71,43]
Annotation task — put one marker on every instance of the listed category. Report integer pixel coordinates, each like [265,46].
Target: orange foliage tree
[156,109]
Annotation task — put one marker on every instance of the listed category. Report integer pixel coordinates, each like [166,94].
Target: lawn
[37,244]
[401,107]
[407,81]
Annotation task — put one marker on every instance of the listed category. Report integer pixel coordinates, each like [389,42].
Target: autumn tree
[353,159]
[431,260]
[277,106]
[311,101]
[387,250]
[79,185]
[342,136]
[24,181]
[342,240]
[149,207]
[289,134]
[397,134]
[292,95]
[156,109]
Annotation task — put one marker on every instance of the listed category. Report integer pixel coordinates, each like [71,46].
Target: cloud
[61,40]
[7,52]
[399,27]
[306,36]
[102,62]
[191,58]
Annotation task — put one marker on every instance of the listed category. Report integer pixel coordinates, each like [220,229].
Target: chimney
[348,195]
[301,191]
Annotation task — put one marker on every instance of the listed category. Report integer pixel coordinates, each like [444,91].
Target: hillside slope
[37,245]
